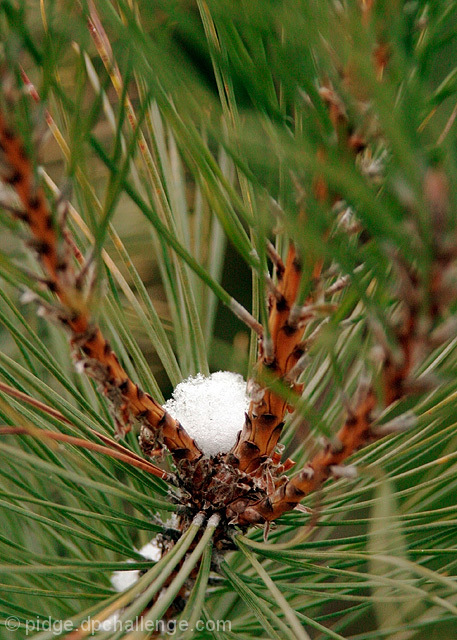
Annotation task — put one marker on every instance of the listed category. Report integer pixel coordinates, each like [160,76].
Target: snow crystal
[122,580]
[211,409]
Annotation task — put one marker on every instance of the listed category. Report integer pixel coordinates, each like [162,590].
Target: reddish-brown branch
[101,362]
[356,432]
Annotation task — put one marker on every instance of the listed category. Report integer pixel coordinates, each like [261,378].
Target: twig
[276,260]
[413,339]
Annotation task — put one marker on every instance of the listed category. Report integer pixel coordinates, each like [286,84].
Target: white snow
[211,409]
[122,580]
[151,551]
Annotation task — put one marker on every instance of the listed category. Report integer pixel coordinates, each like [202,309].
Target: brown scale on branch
[92,349]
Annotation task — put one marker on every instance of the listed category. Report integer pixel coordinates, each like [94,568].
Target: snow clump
[211,409]
[122,580]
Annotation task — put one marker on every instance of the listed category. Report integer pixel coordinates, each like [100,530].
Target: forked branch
[421,323]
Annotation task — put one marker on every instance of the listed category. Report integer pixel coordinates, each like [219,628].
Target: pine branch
[424,302]
[92,350]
